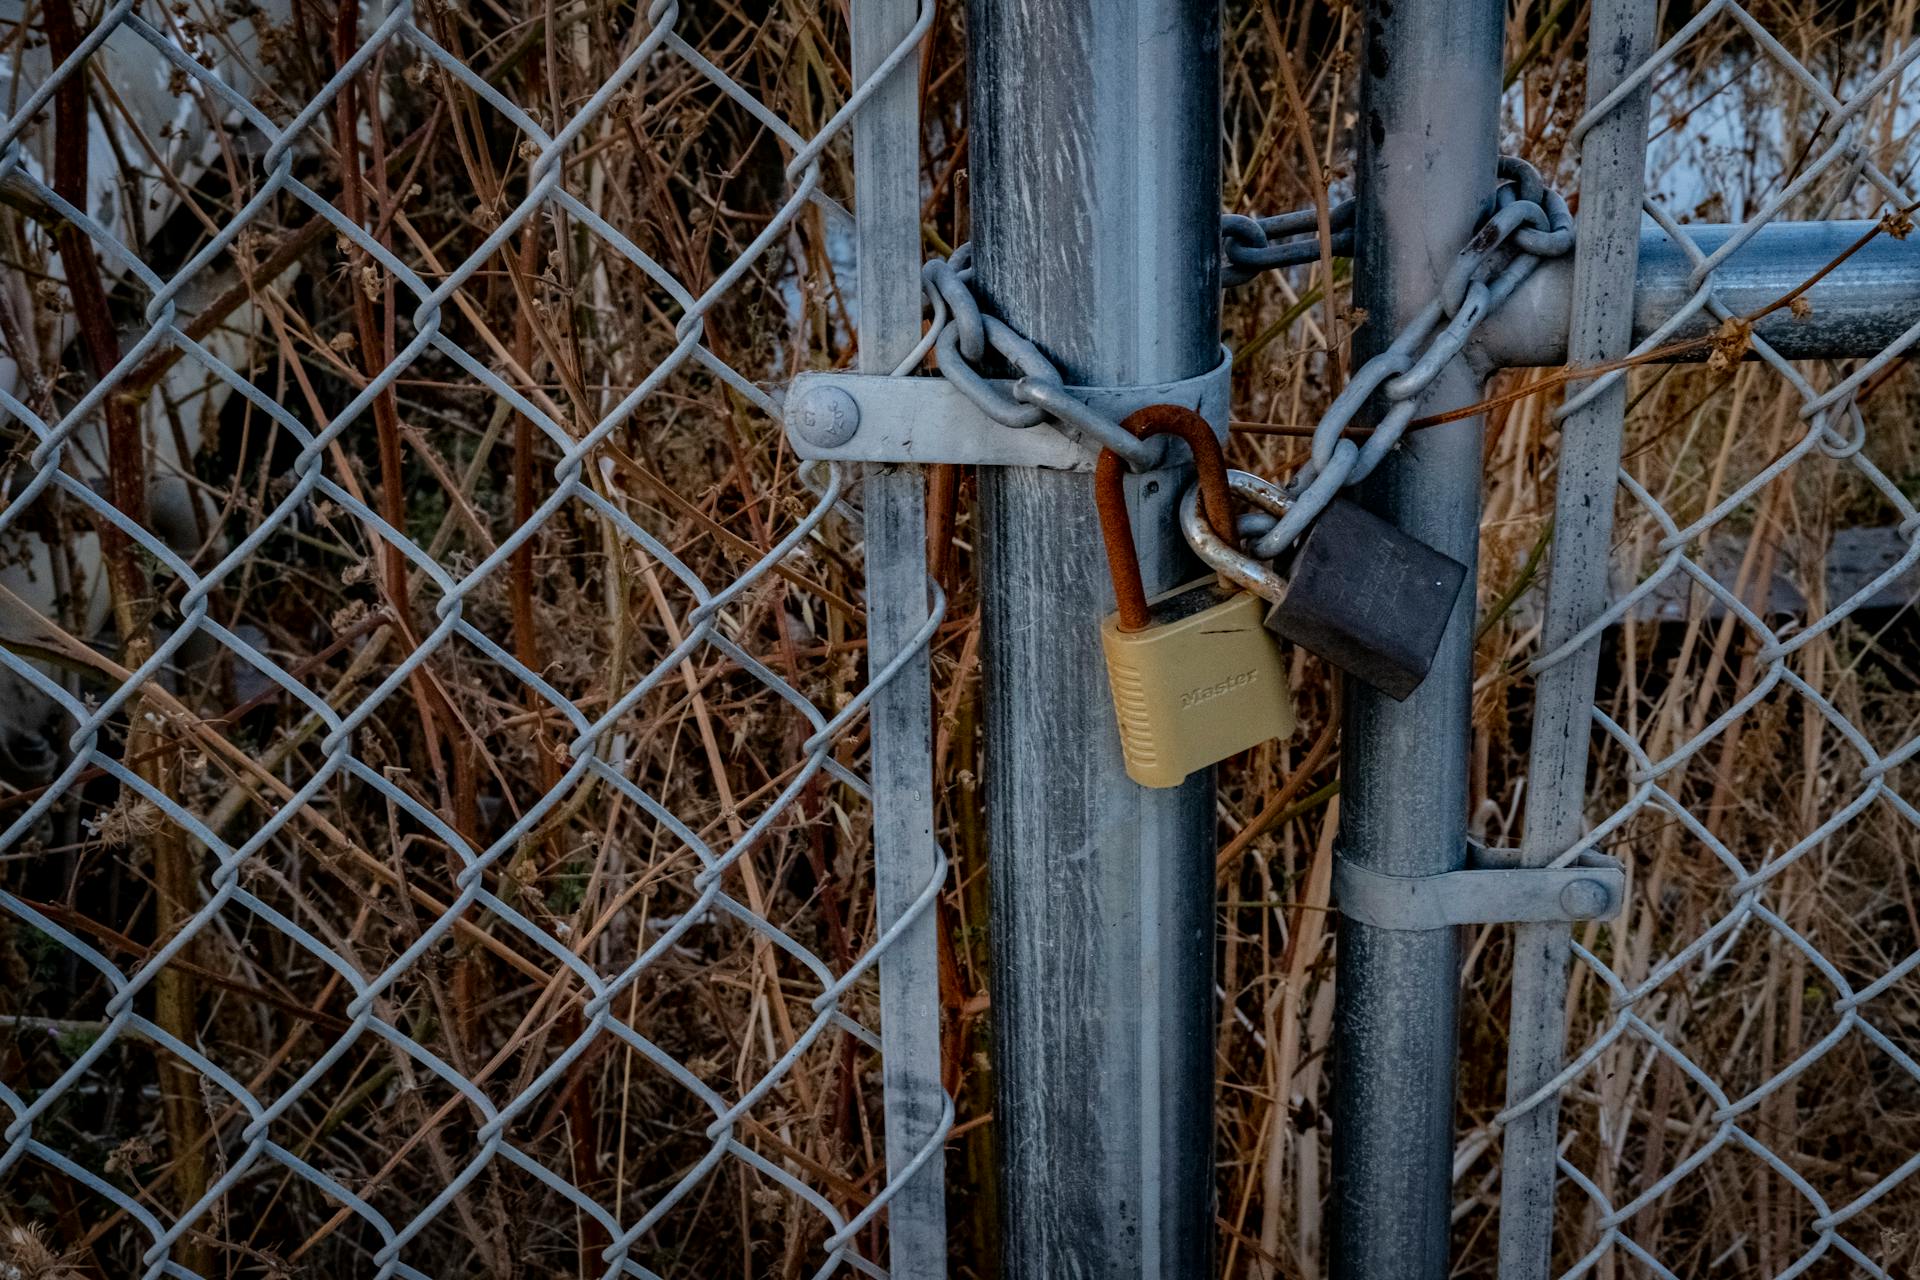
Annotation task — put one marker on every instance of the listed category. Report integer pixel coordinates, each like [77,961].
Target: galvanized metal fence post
[1612,153]
[886,142]
[1429,141]
[1095,199]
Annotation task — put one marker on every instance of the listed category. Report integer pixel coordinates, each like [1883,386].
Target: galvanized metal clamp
[850,417]
[1491,890]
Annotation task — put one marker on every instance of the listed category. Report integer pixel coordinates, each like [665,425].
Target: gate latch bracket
[1492,889]
[852,417]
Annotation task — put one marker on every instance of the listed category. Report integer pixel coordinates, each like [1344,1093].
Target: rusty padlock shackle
[1116,527]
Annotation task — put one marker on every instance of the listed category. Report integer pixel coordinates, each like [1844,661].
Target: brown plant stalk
[175,875]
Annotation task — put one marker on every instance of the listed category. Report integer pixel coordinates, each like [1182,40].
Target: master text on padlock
[1208,692]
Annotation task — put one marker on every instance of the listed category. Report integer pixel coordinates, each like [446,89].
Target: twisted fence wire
[1724,919]
[255,886]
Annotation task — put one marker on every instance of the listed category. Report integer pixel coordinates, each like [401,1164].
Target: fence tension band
[1489,892]
[854,417]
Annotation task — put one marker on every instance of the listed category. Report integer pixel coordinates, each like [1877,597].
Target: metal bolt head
[1584,899]
[826,417]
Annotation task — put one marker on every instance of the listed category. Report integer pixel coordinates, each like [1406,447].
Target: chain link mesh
[1748,1026]
[442,871]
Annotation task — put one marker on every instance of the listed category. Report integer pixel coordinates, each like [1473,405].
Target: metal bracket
[853,417]
[1493,892]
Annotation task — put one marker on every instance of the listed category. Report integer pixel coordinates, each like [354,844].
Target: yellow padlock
[1195,674]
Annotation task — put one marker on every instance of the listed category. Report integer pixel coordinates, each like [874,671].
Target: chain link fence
[436,716]
[1739,1092]
[436,835]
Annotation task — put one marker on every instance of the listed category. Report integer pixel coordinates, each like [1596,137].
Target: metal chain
[962,335]
[1249,246]
[1529,224]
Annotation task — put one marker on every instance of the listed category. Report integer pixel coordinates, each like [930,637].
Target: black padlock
[1367,597]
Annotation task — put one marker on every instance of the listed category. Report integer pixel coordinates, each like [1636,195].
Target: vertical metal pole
[886,167]
[1095,201]
[1429,140]
[1606,257]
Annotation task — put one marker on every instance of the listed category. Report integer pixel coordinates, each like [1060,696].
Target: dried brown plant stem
[582,1123]
[458,794]
[943,506]
[375,343]
[964,957]
[1306,934]
[1732,337]
[1317,181]
[526,635]
[175,878]
[374,351]
[1277,803]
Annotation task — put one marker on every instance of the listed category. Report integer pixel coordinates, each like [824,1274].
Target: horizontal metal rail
[1857,309]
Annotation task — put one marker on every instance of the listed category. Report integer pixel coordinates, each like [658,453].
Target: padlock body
[1369,598]
[1204,680]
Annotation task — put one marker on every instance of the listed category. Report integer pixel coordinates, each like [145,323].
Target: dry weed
[573,326]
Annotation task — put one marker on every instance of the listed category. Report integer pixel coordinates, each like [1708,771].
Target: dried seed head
[1733,341]
[125,823]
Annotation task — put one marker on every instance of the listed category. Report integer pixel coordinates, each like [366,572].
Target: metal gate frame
[1102,1145]
[1431,105]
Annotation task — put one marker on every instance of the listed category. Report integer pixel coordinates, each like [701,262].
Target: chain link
[961,336]
[1249,246]
[343,756]
[1645,1019]
[1529,223]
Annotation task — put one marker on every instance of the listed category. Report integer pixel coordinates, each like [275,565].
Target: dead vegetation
[1728,131]
[468,774]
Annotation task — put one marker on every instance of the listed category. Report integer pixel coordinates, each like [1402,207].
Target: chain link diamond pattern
[487,1114]
[1658,1117]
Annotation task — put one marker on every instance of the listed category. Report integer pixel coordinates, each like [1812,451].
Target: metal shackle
[1116,526]
[1223,554]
